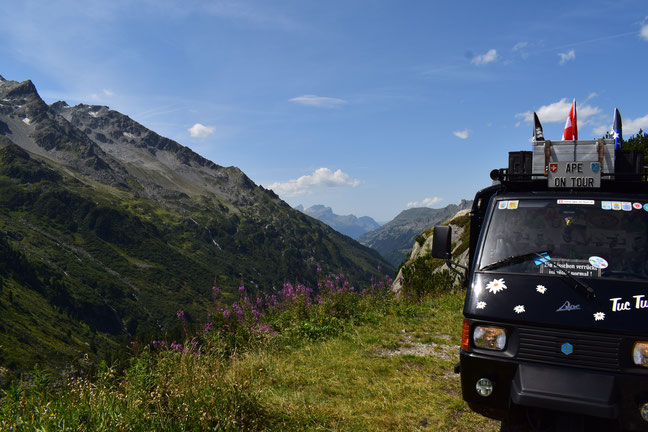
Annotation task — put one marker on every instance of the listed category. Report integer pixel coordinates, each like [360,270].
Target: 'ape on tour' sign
[574,175]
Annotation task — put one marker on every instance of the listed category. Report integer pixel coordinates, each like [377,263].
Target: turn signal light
[465,336]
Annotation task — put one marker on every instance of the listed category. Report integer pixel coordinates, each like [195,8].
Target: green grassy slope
[98,266]
[389,366]
[395,374]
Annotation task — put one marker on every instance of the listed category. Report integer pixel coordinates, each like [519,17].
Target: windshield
[588,238]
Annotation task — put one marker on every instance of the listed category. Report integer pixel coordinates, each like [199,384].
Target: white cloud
[321,177]
[585,111]
[318,101]
[520,45]
[632,126]
[591,96]
[101,96]
[427,202]
[463,134]
[644,32]
[565,57]
[200,131]
[483,59]
[257,14]
[557,112]
[599,131]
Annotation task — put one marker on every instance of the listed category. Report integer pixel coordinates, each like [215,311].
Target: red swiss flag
[571,129]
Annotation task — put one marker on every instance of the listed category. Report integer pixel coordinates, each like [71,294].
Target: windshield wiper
[580,286]
[516,259]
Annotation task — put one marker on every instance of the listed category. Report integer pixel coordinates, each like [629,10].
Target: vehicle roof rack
[615,165]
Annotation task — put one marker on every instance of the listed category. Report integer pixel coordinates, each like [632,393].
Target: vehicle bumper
[517,386]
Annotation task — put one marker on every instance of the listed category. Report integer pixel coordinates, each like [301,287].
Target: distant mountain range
[350,225]
[394,239]
[107,229]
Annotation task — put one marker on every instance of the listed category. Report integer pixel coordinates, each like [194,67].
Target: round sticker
[646,207]
[598,262]
[637,206]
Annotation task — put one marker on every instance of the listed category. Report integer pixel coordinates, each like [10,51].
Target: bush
[421,278]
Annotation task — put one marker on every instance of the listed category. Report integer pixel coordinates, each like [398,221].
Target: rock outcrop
[460,224]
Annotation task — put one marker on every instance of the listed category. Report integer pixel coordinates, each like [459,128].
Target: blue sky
[369,107]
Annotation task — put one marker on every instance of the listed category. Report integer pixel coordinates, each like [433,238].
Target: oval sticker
[598,262]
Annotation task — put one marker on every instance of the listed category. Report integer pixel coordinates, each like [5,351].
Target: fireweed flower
[180,315]
[207,327]
[237,310]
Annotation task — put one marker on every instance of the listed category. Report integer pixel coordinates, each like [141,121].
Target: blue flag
[617,132]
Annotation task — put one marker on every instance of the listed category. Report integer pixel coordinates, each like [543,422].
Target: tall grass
[201,382]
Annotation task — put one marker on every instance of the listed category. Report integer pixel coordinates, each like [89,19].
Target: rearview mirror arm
[452,265]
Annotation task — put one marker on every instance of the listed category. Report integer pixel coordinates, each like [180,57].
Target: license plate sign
[574,175]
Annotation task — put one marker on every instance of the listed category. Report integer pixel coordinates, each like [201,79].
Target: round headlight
[489,337]
[644,412]
[640,354]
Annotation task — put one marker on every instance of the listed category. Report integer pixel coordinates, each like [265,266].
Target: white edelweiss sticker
[496,285]
[519,309]
[599,316]
[481,305]
[541,289]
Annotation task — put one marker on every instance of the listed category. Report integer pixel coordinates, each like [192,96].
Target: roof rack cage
[619,165]
[601,150]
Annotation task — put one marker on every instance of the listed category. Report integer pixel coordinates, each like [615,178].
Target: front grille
[590,350]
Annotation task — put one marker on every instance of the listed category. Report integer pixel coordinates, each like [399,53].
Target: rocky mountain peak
[59,105]
[349,225]
[17,90]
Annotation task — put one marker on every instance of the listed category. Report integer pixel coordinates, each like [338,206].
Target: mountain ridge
[393,240]
[349,225]
[124,227]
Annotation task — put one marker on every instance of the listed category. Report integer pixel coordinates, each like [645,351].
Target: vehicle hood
[619,305]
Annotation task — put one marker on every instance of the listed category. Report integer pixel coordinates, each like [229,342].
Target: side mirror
[441,242]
